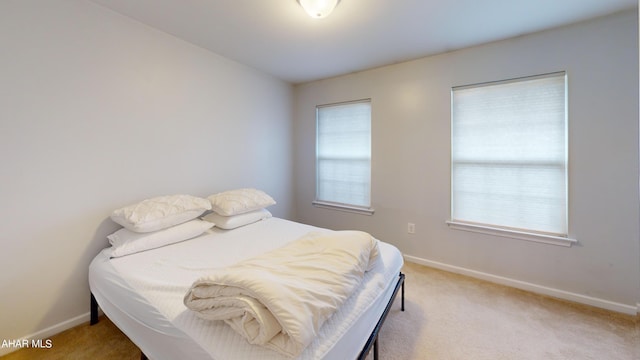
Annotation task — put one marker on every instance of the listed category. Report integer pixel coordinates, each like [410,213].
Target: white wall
[98,111]
[411,152]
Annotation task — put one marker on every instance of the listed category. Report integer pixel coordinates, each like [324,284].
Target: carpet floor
[447,317]
[453,317]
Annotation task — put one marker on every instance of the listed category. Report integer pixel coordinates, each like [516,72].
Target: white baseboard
[539,289]
[50,331]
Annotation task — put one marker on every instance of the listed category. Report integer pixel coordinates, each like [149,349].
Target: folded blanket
[280,299]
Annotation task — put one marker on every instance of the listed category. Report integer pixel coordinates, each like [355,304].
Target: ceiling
[279,38]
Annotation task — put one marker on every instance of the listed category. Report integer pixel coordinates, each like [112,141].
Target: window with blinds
[509,155]
[343,155]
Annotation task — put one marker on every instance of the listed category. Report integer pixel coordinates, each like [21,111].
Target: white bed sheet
[143,295]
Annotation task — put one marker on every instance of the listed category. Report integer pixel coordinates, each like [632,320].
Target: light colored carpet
[447,317]
[450,317]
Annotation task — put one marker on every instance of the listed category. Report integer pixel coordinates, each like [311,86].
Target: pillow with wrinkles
[160,212]
[239,201]
[234,221]
[125,242]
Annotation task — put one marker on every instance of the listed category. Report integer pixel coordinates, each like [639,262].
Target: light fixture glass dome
[318,8]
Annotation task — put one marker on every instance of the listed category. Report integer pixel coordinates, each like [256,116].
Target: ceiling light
[318,8]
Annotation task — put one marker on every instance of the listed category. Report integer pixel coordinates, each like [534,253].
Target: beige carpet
[452,317]
[447,317]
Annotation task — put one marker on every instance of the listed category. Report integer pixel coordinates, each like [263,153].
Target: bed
[142,294]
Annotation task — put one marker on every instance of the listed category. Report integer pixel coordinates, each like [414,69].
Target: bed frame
[373,338]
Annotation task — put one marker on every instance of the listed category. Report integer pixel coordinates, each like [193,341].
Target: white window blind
[509,154]
[343,154]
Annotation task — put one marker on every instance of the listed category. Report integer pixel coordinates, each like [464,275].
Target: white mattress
[143,295]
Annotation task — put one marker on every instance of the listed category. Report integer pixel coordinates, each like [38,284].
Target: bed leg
[402,295]
[94,311]
[373,338]
[375,349]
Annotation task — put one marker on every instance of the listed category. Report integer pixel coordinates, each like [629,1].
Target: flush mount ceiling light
[318,8]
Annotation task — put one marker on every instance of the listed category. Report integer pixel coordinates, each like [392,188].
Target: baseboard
[50,331]
[561,294]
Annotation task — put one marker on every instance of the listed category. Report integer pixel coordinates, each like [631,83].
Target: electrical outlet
[411,228]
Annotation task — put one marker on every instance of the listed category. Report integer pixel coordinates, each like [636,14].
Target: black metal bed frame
[373,338]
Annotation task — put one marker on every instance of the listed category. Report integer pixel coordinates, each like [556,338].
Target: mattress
[143,295]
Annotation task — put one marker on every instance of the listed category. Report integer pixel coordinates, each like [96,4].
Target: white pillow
[232,222]
[160,212]
[239,201]
[125,242]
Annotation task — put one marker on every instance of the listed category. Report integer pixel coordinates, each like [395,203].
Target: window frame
[332,205]
[505,231]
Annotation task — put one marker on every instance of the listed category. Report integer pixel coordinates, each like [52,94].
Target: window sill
[520,235]
[343,207]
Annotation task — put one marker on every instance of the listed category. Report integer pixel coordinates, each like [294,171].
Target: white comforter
[281,299]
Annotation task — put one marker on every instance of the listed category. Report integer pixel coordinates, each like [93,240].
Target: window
[509,156]
[343,156]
